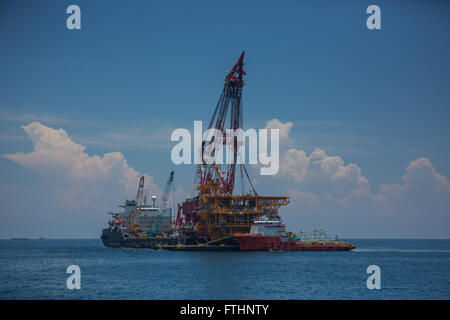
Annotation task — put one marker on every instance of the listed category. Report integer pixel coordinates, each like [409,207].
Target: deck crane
[140,191]
[169,185]
[164,205]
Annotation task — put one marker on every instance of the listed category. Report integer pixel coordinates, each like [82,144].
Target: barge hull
[116,239]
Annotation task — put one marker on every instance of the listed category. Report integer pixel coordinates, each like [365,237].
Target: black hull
[114,238]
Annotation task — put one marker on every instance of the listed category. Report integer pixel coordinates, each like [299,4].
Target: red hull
[274,243]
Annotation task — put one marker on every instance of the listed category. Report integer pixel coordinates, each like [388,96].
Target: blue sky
[138,69]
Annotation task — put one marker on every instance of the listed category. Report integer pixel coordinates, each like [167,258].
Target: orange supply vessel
[269,235]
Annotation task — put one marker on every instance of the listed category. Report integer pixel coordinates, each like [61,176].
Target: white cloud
[326,191]
[421,172]
[284,128]
[320,179]
[424,192]
[77,177]
[321,176]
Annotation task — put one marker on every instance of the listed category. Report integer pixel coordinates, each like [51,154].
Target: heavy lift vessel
[216,213]
[217,218]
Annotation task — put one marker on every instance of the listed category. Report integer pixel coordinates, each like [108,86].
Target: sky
[365,113]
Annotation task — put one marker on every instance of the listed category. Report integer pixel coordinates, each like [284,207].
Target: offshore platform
[217,217]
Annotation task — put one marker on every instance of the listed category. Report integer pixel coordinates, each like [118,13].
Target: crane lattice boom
[229,104]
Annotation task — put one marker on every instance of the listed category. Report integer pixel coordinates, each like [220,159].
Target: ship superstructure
[140,219]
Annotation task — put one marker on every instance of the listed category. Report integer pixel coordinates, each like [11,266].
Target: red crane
[212,177]
[228,107]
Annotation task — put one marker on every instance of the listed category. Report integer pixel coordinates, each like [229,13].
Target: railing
[311,235]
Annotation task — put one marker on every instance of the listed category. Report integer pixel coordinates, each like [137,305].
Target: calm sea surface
[410,269]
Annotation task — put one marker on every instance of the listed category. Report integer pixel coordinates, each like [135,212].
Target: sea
[408,269]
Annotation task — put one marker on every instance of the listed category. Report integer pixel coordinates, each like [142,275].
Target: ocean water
[410,269]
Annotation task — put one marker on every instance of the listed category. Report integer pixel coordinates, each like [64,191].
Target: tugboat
[269,234]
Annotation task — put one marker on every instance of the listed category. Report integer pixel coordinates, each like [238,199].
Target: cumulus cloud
[327,192]
[322,176]
[420,176]
[284,128]
[78,178]
[319,177]
[324,187]
[424,191]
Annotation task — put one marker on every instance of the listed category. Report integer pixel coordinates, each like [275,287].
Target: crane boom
[169,184]
[229,106]
[140,191]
